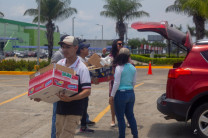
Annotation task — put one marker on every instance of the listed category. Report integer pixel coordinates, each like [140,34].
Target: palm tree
[1,14]
[192,31]
[189,8]
[121,11]
[51,11]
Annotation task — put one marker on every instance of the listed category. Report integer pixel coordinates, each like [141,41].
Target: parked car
[43,55]
[22,54]
[186,94]
[9,54]
[31,54]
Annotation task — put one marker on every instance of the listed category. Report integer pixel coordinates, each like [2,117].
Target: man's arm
[82,95]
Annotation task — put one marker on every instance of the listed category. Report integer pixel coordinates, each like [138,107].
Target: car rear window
[205,55]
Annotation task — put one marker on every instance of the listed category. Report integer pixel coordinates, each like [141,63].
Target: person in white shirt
[82,53]
[70,109]
[122,94]
[58,55]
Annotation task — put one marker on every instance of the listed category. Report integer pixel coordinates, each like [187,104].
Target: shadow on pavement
[100,134]
[172,130]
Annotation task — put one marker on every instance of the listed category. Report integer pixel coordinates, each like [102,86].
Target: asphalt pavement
[21,117]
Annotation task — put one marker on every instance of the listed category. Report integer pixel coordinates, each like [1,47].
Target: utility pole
[101,28]
[73,26]
[126,24]
[38,53]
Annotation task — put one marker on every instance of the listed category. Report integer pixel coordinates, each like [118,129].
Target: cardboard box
[47,82]
[95,60]
[100,71]
[103,74]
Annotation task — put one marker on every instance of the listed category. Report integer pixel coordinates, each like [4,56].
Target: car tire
[199,121]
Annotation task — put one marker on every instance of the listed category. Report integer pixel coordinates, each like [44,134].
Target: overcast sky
[89,15]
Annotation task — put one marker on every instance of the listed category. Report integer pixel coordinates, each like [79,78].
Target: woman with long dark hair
[116,46]
[122,94]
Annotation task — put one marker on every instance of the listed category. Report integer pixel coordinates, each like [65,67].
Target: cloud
[84,16]
[18,10]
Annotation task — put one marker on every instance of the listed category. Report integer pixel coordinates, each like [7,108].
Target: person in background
[104,50]
[82,53]
[58,55]
[70,109]
[116,46]
[122,94]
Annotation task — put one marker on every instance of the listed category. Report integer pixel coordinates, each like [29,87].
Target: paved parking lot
[22,118]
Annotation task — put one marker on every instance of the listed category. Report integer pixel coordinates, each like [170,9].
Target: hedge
[22,65]
[156,61]
[160,56]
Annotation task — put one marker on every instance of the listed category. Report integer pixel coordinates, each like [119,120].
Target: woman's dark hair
[121,59]
[114,50]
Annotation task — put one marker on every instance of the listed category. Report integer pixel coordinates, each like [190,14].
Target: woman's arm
[117,80]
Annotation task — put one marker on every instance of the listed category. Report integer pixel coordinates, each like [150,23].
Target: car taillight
[175,73]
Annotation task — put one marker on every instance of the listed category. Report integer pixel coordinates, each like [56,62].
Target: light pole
[73,26]
[5,33]
[102,29]
[38,53]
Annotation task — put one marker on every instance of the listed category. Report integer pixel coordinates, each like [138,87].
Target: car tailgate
[166,31]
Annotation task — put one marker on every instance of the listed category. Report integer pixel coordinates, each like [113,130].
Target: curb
[29,73]
[154,67]
[15,73]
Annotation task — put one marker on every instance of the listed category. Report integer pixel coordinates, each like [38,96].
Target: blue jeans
[87,118]
[53,128]
[124,103]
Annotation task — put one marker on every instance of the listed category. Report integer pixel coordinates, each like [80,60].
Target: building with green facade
[22,34]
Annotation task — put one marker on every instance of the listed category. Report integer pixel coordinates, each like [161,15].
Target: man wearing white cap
[70,109]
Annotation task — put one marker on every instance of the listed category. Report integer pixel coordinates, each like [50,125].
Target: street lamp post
[73,26]
[5,33]
[38,53]
[102,29]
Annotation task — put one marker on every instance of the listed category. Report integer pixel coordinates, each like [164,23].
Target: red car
[186,94]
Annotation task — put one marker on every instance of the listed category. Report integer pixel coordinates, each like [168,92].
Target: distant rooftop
[3,20]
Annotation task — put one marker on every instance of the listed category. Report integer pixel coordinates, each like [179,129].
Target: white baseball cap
[69,40]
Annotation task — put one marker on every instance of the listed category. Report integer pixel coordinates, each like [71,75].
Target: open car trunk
[179,38]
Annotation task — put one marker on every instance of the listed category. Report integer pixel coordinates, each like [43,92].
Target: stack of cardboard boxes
[100,69]
[51,80]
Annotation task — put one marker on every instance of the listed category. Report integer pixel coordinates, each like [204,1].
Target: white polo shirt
[75,107]
[80,68]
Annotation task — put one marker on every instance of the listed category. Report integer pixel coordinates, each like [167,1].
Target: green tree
[134,43]
[179,27]
[121,11]
[192,31]
[190,8]
[144,42]
[51,11]
[1,14]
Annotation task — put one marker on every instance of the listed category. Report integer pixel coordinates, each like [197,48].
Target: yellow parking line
[96,119]
[13,98]
[138,85]
[101,114]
